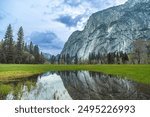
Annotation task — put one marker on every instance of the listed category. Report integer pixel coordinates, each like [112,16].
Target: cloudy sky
[49,23]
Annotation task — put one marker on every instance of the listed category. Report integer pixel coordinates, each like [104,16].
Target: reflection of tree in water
[94,85]
[4,90]
[16,87]
[49,86]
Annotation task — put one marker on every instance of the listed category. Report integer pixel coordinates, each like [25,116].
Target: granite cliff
[111,30]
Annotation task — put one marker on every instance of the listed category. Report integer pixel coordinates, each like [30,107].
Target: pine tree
[20,42]
[20,45]
[59,59]
[36,54]
[68,58]
[2,53]
[125,58]
[98,57]
[41,58]
[109,58]
[118,58]
[31,48]
[8,45]
[90,57]
[26,47]
[76,59]
[18,52]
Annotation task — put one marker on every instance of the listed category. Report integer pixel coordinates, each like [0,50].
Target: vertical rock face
[111,30]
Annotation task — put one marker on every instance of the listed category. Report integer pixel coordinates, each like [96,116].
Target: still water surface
[76,85]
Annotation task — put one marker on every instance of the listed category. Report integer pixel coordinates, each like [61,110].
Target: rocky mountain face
[111,30]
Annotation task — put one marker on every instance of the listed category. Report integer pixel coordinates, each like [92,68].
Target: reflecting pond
[76,85]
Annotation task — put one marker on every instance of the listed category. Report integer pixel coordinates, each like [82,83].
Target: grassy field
[139,73]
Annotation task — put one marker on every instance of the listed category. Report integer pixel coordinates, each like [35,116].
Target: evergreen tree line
[18,52]
[64,59]
[110,58]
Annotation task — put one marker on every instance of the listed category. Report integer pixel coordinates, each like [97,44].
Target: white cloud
[118,2]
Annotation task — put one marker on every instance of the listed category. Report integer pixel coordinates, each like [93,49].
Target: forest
[18,52]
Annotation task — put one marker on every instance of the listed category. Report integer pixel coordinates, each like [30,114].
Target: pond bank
[139,73]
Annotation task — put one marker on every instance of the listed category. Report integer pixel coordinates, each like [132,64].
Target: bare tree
[139,51]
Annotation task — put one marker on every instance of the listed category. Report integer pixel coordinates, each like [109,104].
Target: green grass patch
[4,90]
[139,73]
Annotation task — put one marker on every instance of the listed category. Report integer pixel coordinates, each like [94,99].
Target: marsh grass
[15,89]
[4,90]
[29,85]
[139,73]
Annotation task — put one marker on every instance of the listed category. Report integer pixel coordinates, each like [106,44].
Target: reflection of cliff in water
[92,85]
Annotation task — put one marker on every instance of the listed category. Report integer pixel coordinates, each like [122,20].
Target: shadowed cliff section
[84,85]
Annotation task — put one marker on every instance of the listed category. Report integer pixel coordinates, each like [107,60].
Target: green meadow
[139,73]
